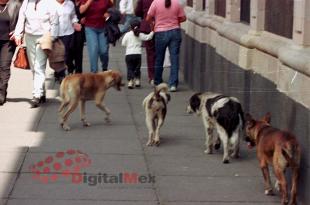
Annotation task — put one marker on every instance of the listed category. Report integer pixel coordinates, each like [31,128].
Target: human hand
[18,40]
[77,27]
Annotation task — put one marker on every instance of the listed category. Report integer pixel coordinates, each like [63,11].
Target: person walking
[76,63]
[68,23]
[167,14]
[36,18]
[141,11]
[8,18]
[126,8]
[95,12]
[133,42]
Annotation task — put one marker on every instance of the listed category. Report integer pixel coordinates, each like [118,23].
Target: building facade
[258,51]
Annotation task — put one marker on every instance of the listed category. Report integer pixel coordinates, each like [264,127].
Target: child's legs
[137,63]
[130,67]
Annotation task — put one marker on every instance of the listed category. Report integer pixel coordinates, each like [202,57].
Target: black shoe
[43,99]
[35,102]
[2,99]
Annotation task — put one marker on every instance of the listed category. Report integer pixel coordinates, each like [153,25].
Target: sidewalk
[184,175]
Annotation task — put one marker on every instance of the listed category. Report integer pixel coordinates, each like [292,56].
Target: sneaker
[173,89]
[130,84]
[35,102]
[137,82]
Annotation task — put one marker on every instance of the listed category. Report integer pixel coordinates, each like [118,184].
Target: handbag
[21,60]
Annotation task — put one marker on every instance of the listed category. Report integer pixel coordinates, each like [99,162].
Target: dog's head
[194,104]
[253,126]
[115,79]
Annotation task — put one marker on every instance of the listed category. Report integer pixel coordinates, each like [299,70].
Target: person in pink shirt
[167,16]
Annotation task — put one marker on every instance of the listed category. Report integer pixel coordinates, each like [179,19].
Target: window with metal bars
[220,8]
[190,3]
[245,11]
[279,17]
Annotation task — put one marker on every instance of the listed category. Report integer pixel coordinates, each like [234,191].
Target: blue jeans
[171,39]
[97,46]
[126,26]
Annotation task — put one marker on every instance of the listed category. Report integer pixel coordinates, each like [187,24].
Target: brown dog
[277,148]
[84,87]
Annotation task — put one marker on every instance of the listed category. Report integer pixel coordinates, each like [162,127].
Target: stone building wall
[267,72]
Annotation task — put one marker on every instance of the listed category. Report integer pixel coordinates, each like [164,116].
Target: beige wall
[286,62]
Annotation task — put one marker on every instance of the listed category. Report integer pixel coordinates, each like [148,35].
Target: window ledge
[283,48]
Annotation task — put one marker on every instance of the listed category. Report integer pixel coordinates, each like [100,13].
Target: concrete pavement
[184,175]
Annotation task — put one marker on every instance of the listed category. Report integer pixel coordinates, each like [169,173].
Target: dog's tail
[163,87]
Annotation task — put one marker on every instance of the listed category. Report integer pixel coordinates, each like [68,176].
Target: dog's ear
[267,117]
[249,121]
[195,101]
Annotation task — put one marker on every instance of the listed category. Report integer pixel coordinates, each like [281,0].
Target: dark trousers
[133,63]
[150,58]
[68,43]
[75,62]
[7,49]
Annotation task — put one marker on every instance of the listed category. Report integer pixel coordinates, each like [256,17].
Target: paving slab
[223,189]
[28,188]
[100,163]
[95,131]
[11,161]
[7,181]
[96,146]
[76,202]
[210,165]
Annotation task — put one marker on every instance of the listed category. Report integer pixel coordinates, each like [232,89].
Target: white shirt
[133,43]
[127,6]
[67,17]
[37,19]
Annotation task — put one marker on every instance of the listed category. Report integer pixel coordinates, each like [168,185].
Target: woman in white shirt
[36,17]
[68,23]
[133,42]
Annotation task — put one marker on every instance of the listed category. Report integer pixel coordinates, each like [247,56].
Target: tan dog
[79,88]
[155,106]
[277,148]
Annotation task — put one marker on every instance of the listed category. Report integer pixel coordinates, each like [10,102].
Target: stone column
[210,7]
[197,4]
[233,10]
[301,26]
[257,18]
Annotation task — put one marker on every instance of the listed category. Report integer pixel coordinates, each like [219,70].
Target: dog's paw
[149,143]
[107,120]
[86,124]
[269,192]
[157,142]
[208,151]
[225,161]
[66,127]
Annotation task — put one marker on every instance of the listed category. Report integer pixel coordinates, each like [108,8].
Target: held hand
[18,40]
[77,27]
[12,37]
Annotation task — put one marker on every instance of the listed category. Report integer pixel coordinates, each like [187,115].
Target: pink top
[166,18]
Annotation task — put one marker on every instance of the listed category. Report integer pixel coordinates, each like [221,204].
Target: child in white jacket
[133,42]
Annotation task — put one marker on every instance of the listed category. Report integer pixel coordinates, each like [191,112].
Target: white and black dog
[155,106]
[223,113]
